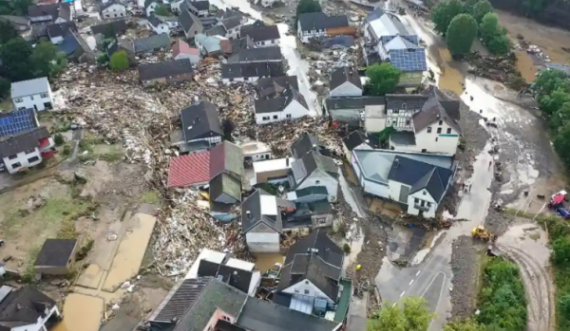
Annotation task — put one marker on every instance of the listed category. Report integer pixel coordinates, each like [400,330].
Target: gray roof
[320,21]
[216,30]
[56,10]
[200,121]
[60,29]
[312,161]
[56,252]
[119,26]
[354,139]
[334,103]
[304,144]
[153,20]
[246,70]
[187,20]
[253,205]
[258,31]
[439,107]
[273,85]
[164,69]
[23,307]
[224,183]
[109,4]
[280,102]
[344,74]
[226,157]
[403,138]
[405,101]
[231,22]
[200,4]
[28,87]
[258,54]
[12,145]
[152,43]
[258,315]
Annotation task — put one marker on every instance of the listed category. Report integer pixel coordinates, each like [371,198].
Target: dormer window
[403,106]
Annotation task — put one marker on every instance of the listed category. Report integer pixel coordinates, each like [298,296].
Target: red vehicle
[557,199]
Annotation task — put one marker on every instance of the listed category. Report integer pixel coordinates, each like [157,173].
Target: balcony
[420,207]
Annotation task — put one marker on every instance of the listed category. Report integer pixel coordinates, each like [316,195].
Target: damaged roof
[344,74]
[354,139]
[164,69]
[226,157]
[304,144]
[260,207]
[246,70]
[312,161]
[280,102]
[200,120]
[271,86]
[224,183]
[152,43]
[23,306]
[321,21]
[119,27]
[261,54]
[60,29]
[438,107]
[259,31]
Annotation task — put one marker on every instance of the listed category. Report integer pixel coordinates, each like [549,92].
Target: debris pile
[501,69]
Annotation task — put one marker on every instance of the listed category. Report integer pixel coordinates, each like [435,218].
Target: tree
[564,305]
[480,9]
[15,55]
[20,7]
[383,78]
[561,117]
[413,316]
[161,10]
[554,101]
[494,37]
[47,61]
[4,88]
[547,81]
[499,44]
[464,325]
[308,6]
[561,250]
[461,34]
[444,12]
[7,32]
[489,26]
[562,146]
[119,61]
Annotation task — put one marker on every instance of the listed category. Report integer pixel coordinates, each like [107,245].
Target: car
[563,212]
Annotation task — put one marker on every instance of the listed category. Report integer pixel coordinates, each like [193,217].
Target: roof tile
[189,169]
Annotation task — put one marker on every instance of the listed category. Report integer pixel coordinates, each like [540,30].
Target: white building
[317,25]
[159,25]
[273,171]
[256,151]
[250,72]
[288,106]
[313,170]
[149,10]
[25,150]
[113,9]
[261,35]
[418,181]
[345,82]
[33,93]
[261,222]
[40,310]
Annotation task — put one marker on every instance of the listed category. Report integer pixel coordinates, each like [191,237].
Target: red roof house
[189,170]
[181,50]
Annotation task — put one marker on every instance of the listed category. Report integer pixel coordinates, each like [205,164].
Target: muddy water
[81,313]
[265,262]
[449,77]
[526,66]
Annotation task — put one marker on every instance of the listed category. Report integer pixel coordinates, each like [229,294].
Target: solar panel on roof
[17,121]
[407,60]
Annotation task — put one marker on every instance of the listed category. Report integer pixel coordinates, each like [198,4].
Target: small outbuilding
[56,257]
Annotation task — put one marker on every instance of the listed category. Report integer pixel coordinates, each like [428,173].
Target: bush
[4,87]
[58,139]
[561,250]
[119,61]
[103,59]
[346,248]
[66,150]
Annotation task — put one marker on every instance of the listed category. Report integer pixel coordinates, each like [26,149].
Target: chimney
[18,306]
[248,213]
[287,161]
[396,163]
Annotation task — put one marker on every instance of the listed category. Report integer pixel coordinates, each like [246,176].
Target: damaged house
[320,25]
[226,173]
[250,72]
[287,104]
[261,34]
[27,308]
[162,24]
[191,25]
[181,50]
[168,72]
[151,44]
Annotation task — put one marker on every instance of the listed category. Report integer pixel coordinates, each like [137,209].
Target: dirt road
[526,245]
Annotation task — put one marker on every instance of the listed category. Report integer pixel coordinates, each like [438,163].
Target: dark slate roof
[354,139]
[344,74]
[304,144]
[315,258]
[55,10]
[164,69]
[260,54]
[438,107]
[405,101]
[260,32]
[187,20]
[182,300]
[420,175]
[152,43]
[253,205]
[246,70]
[119,27]
[12,145]
[200,121]
[154,21]
[273,85]
[222,325]
[320,21]
[258,315]
[200,4]
[216,30]
[280,102]
[334,103]
[56,252]
[23,306]
[235,277]
[227,13]
[60,29]
[312,161]
[231,22]
[226,157]
[312,190]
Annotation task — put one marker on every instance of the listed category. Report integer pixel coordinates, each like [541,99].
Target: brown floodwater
[526,66]
[81,312]
[449,78]
[263,262]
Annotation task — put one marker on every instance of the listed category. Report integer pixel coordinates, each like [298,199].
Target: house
[352,110]
[301,217]
[113,9]
[181,50]
[254,151]
[250,72]
[234,272]
[353,141]
[273,86]
[312,273]
[150,8]
[157,25]
[309,195]
[189,170]
[209,46]
[386,38]
[261,34]
[288,105]
[27,309]
[34,93]
[315,169]
[320,25]
[17,121]
[76,48]
[226,173]
[223,14]
[232,27]
[197,304]
[305,144]
[216,31]
[267,3]
[271,171]
[419,181]
[114,28]
[51,13]
[201,128]
[56,257]
[26,149]
[200,8]
[261,222]
[257,55]
[20,23]
[345,82]
[190,24]
[151,44]
[168,72]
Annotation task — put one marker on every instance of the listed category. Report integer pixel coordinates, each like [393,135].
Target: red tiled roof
[189,169]
[181,47]
[226,46]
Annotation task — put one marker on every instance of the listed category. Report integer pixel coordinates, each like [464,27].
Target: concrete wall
[422,198]
[22,161]
[444,142]
[36,101]
[262,242]
[346,89]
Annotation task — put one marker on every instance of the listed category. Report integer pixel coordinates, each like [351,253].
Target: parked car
[557,199]
[563,212]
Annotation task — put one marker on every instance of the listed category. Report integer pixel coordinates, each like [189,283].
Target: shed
[56,256]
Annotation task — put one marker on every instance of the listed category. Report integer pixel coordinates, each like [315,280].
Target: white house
[289,105]
[315,169]
[157,25]
[356,140]
[40,309]
[33,93]
[418,181]
[319,24]
[250,72]
[261,35]
[113,9]
[345,82]
[26,149]
[261,222]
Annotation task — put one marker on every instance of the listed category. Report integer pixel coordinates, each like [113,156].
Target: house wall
[374,118]
[304,36]
[400,119]
[267,43]
[343,30]
[39,325]
[233,33]
[194,29]
[418,201]
[259,156]
[320,178]
[240,79]
[218,315]
[374,188]
[444,142]
[292,111]
[264,242]
[346,89]
[39,101]
[194,59]
[151,8]
[307,288]
[115,10]
[410,79]
[22,160]
[264,177]
[395,188]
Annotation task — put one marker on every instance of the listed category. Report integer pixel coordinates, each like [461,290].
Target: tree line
[462,22]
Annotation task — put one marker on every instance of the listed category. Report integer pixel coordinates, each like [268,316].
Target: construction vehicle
[481,233]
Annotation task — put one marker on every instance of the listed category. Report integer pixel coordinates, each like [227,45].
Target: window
[16,165]
[33,159]
[317,182]
[416,201]
[403,106]
[429,129]
[435,138]
[29,151]
[396,111]
[43,95]
[274,117]
[225,318]
[438,130]
[18,100]
[424,150]
[288,115]
[407,122]
[449,131]
[322,220]
[424,192]
[428,204]
[266,118]
[263,42]
[440,122]
[231,79]
[11,157]
[296,291]
[307,292]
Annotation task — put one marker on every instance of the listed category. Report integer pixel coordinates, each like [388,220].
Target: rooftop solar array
[409,60]
[17,121]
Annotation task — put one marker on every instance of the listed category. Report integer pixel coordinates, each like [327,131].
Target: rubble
[464,264]
[501,69]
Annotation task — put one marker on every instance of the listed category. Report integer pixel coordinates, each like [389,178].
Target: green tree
[444,12]
[464,325]
[554,101]
[561,251]
[461,34]
[564,305]
[15,56]
[4,88]
[20,7]
[494,37]
[489,26]
[547,81]
[499,44]
[47,61]
[383,78]
[161,10]
[562,146]
[308,6]
[7,32]
[119,61]
[480,9]
[414,315]
[561,117]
